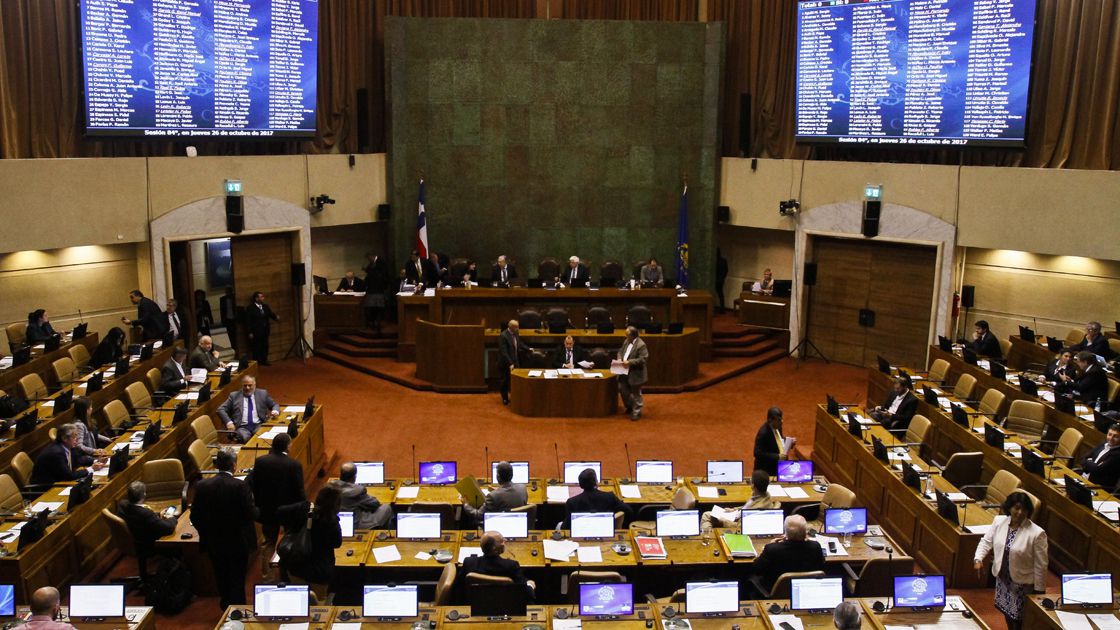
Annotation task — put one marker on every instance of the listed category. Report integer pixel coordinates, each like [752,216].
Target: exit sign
[233,187]
[873,193]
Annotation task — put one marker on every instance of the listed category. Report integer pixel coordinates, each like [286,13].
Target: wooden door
[893,280]
[264,263]
[182,288]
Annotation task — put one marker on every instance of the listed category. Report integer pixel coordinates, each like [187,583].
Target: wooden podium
[763,310]
[450,357]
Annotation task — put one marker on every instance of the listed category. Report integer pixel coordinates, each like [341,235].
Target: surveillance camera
[317,203]
[789,207]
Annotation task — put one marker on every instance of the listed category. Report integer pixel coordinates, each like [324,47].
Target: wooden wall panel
[843,267]
[264,263]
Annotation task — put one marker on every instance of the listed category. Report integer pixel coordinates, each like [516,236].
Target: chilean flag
[422,226]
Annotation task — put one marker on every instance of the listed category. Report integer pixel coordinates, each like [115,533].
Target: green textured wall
[555,137]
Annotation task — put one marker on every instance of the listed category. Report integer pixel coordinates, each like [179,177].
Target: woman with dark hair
[317,569]
[1021,556]
[39,327]
[110,350]
[90,441]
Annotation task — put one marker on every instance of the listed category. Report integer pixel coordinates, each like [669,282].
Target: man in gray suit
[369,513]
[651,275]
[633,354]
[504,498]
[247,409]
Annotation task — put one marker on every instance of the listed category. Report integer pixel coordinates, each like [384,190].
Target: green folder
[739,545]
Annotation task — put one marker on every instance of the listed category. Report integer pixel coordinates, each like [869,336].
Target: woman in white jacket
[1020,559]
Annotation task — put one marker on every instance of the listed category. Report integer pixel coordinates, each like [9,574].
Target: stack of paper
[564,372]
[535,373]
[592,375]
[198,375]
[557,494]
[796,493]
[776,491]
[629,491]
[650,546]
[559,550]
[384,555]
[408,492]
[739,545]
[589,555]
[707,492]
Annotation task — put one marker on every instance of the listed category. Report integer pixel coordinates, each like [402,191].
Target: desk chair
[121,538]
[529,319]
[597,315]
[570,585]
[965,387]
[600,359]
[17,335]
[918,429]
[963,469]
[79,354]
[1114,346]
[1026,418]
[443,587]
[116,417]
[21,469]
[1005,348]
[204,429]
[992,402]
[138,397]
[200,456]
[646,519]
[1001,486]
[530,510]
[938,370]
[32,387]
[154,379]
[165,480]
[782,586]
[639,315]
[448,514]
[1068,446]
[500,594]
[64,370]
[836,496]
[556,317]
[548,269]
[11,499]
[611,271]
[1113,388]
[636,268]
[1074,336]
[457,269]
[876,578]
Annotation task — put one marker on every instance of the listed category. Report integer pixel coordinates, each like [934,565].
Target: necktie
[574,274]
[69,462]
[252,419]
[778,439]
[174,319]
[503,274]
[568,357]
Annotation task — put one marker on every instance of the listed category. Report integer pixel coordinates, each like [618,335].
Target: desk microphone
[486,460]
[626,446]
[82,320]
[414,461]
[559,469]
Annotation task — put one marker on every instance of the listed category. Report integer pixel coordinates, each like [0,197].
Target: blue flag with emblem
[682,241]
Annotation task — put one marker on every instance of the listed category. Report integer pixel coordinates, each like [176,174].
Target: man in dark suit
[491,562]
[223,513]
[984,342]
[245,410]
[204,356]
[369,513]
[145,525]
[61,460]
[592,499]
[350,283]
[634,355]
[504,498]
[1093,341]
[173,375]
[437,273]
[502,273]
[575,273]
[149,317]
[568,355]
[1102,464]
[228,312]
[769,444]
[791,553]
[900,406]
[651,275]
[277,483]
[509,357]
[174,327]
[259,327]
[417,270]
[1092,385]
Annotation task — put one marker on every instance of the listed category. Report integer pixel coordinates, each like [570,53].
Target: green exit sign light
[233,186]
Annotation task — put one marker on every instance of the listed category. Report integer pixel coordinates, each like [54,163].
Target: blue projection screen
[914,72]
[200,68]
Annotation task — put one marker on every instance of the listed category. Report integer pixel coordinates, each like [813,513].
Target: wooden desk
[1036,617]
[339,312]
[765,311]
[40,364]
[907,516]
[135,618]
[947,618]
[321,618]
[490,306]
[571,396]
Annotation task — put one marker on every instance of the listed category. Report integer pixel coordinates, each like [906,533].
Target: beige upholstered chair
[1026,418]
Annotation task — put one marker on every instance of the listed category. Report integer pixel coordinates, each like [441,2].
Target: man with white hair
[204,356]
[576,274]
[846,616]
[502,273]
[509,350]
[791,553]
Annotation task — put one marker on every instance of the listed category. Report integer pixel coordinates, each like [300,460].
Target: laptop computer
[711,598]
[783,288]
[573,469]
[675,328]
[438,473]
[998,370]
[929,395]
[795,471]
[970,356]
[425,525]
[655,471]
[1028,386]
[280,601]
[944,343]
[823,594]
[832,406]
[678,523]
[946,508]
[845,520]
[884,365]
[1054,344]
[1026,334]
[606,600]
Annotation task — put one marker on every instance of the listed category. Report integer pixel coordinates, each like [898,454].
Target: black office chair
[597,315]
[610,273]
[548,269]
[491,595]
[557,318]
[529,319]
[639,315]
[600,359]
[458,267]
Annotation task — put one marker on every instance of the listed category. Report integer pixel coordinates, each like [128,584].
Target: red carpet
[369,418]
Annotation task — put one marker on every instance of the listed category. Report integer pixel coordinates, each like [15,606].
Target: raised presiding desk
[590,394]
[751,615]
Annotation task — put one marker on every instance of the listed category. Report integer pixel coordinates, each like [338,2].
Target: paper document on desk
[618,367]
[564,372]
[792,620]
[587,365]
[577,371]
[198,375]
[429,292]
[592,375]
[272,433]
[6,362]
[1105,621]
[66,491]
[550,374]
[1109,509]
[957,497]
[824,542]
[1048,396]
[589,554]
[39,506]
[535,373]
[558,494]
[707,492]
[776,491]
[896,456]
[187,396]
[559,550]
[47,404]
[293,409]
[383,555]
[978,529]
[408,492]
[629,491]
[567,624]
[796,493]
[467,552]
[1073,621]
[347,625]
[295,626]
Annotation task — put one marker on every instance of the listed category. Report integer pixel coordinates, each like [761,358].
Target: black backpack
[295,548]
[169,589]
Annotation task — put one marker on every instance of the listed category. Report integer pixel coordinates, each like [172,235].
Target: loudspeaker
[744,124]
[362,113]
[235,213]
[299,274]
[810,276]
[723,214]
[871,210]
[235,223]
[383,212]
[968,295]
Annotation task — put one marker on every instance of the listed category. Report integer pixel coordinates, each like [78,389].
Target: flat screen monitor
[816,593]
[795,471]
[520,472]
[597,600]
[946,508]
[437,473]
[198,70]
[346,521]
[573,469]
[390,600]
[678,523]
[508,524]
[7,600]
[418,525]
[919,591]
[653,471]
[845,521]
[370,473]
[274,600]
[1087,588]
[97,600]
[898,74]
[711,597]
[592,525]
[762,522]
[725,471]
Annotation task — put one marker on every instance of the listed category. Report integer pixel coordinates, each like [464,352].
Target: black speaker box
[968,295]
[383,212]
[235,204]
[871,210]
[235,223]
[723,214]
[810,276]
[299,274]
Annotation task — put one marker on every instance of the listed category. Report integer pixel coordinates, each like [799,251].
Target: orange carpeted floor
[368,418]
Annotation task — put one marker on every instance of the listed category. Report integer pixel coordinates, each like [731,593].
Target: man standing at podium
[633,354]
[509,347]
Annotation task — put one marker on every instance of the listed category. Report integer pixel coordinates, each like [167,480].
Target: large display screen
[914,72]
[200,68]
